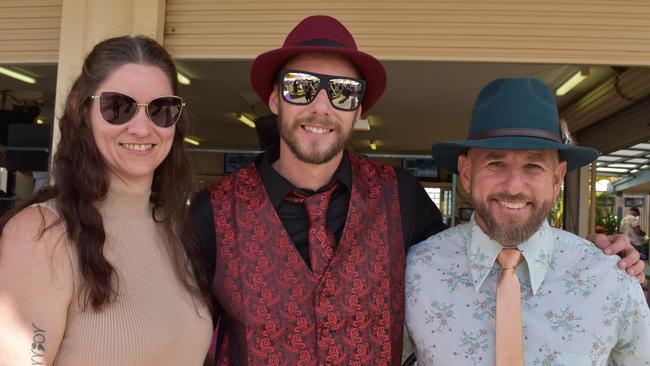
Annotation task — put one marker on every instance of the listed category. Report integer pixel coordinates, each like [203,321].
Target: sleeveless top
[275,311]
[154,320]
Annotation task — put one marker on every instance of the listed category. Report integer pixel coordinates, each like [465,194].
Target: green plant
[556,216]
[606,221]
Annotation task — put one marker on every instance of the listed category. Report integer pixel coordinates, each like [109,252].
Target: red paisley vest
[275,311]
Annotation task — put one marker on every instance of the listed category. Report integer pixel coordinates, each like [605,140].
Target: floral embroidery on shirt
[566,320]
[582,311]
[549,358]
[412,288]
[425,354]
[477,257]
[622,312]
[484,308]
[526,291]
[600,348]
[622,277]
[473,345]
[452,279]
[423,256]
[438,316]
[592,252]
[577,283]
[546,260]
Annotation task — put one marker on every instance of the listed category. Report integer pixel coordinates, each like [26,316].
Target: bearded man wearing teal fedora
[506,288]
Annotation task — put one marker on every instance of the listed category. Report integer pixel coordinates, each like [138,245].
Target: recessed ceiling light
[191,141]
[571,83]
[246,120]
[641,146]
[17,75]
[609,158]
[362,125]
[611,170]
[637,161]
[625,152]
[183,79]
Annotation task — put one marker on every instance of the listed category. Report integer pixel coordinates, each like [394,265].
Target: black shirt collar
[278,187]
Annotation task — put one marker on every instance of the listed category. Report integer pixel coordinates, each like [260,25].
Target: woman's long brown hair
[81,179]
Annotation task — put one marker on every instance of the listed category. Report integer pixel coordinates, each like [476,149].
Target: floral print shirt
[578,307]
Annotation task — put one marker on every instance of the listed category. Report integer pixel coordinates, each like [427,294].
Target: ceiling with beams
[424,102]
[631,160]
[627,168]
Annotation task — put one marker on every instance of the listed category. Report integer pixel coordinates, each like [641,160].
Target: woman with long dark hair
[102,268]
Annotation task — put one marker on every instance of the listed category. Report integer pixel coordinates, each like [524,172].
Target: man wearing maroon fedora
[311,239]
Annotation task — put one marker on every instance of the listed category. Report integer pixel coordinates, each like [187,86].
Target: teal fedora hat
[514,114]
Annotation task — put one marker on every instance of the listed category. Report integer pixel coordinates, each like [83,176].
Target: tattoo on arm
[38,345]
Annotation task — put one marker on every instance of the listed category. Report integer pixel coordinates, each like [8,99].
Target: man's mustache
[324,122]
[510,197]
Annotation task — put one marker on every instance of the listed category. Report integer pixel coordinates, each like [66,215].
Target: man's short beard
[287,133]
[515,234]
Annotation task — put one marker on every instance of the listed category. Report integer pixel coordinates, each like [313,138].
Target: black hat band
[321,42]
[524,132]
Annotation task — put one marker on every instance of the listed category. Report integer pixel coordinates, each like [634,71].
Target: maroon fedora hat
[319,33]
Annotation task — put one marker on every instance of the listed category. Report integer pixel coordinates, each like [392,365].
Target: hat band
[321,42]
[524,132]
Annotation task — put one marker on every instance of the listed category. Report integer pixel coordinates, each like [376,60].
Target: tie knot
[316,203]
[509,258]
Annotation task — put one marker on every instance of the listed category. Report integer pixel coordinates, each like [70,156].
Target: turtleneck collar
[124,203]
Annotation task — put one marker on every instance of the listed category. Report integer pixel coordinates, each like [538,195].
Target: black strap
[525,132]
[321,42]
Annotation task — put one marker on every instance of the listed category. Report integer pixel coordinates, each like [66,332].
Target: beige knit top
[154,321]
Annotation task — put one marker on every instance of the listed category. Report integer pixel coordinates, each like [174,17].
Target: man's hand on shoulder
[620,244]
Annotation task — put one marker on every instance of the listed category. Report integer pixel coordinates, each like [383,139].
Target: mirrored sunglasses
[118,108]
[301,87]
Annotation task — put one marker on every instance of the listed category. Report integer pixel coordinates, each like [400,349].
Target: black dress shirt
[420,216]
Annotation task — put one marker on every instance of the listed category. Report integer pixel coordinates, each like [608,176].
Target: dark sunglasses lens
[346,94]
[117,108]
[165,111]
[299,88]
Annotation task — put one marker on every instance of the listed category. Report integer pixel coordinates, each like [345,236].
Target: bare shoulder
[33,243]
[36,286]
[29,224]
